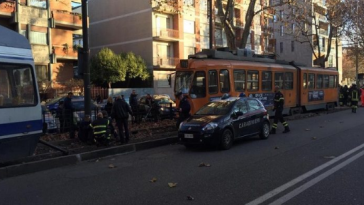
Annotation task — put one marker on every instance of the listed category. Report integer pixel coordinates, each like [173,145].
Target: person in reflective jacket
[354,97]
[278,108]
[100,130]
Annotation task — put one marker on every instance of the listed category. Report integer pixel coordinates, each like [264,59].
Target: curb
[42,165]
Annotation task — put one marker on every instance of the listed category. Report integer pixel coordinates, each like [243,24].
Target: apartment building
[50,26]
[290,45]
[165,31]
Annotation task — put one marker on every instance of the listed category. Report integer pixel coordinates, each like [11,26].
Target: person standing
[68,115]
[354,97]
[341,96]
[120,112]
[60,116]
[184,108]
[108,106]
[345,92]
[278,108]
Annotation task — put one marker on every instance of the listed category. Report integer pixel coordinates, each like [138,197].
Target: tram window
[253,80]
[319,82]
[336,84]
[213,88]
[17,87]
[267,80]
[332,81]
[224,81]
[239,80]
[288,81]
[311,81]
[278,80]
[198,88]
[304,83]
[326,81]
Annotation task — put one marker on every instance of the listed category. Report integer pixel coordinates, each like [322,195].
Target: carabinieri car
[222,121]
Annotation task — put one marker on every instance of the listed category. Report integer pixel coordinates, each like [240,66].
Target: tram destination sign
[316,95]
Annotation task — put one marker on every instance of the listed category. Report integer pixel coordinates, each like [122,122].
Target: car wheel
[264,132]
[227,139]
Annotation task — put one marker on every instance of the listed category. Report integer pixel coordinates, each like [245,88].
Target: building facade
[49,25]
[296,41]
[163,32]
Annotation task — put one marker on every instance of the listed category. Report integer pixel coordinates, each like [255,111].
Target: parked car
[220,122]
[164,106]
[52,105]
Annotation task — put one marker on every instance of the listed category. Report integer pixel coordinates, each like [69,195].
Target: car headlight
[180,125]
[210,126]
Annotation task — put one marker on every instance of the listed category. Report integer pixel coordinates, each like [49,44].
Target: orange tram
[209,74]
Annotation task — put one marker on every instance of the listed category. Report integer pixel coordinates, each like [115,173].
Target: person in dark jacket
[345,92]
[60,116]
[184,108]
[68,115]
[85,131]
[133,100]
[108,106]
[101,131]
[120,112]
[278,108]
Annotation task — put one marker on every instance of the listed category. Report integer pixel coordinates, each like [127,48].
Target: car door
[255,115]
[240,118]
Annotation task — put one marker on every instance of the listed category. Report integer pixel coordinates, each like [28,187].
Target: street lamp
[85,55]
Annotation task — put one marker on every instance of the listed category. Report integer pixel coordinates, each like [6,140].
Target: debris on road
[190,198]
[204,165]
[172,185]
[111,166]
[153,180]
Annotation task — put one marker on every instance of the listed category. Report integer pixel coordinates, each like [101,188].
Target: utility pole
[337,51]
[210,23]
[357,46]
[86,55]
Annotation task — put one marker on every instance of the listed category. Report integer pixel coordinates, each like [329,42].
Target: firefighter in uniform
[278,108]
[101,130]
[354,96]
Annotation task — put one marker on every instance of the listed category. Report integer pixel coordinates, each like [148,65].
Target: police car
[222,121]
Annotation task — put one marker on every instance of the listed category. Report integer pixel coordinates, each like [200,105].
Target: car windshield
[162,99]
[215,108]
[54,100]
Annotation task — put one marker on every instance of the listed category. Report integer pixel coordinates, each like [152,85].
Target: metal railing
[160,61]
[166,33]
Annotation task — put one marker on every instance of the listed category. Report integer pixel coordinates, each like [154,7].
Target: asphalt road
[320,162]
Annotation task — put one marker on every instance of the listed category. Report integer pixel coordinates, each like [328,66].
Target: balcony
[323,32]
[238,22]
[7,8]
[165,62]
[167,6]
[267,30]
[67,19]
[64,52]
[165,34]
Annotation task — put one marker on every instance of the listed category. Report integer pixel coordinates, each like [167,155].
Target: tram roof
[13,39]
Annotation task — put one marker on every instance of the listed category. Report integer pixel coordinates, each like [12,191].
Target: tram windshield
[17,87]
[183,81]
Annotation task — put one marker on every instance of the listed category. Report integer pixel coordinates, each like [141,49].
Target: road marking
[291,183]
[314,181]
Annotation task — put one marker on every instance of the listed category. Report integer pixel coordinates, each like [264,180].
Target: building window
[253,80]
[189,2]
[331,61]
[239,80]
[42,72]
[224,81]
[292,27]
[38,38]
[292,46]
[203,5]
[188,26]
[281,15]
[281,47]
[281,31]
[38,3]
[163,81]
[213,88]
[267,80]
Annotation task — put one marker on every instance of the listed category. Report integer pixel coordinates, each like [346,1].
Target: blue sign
[316,95]
[266,98]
